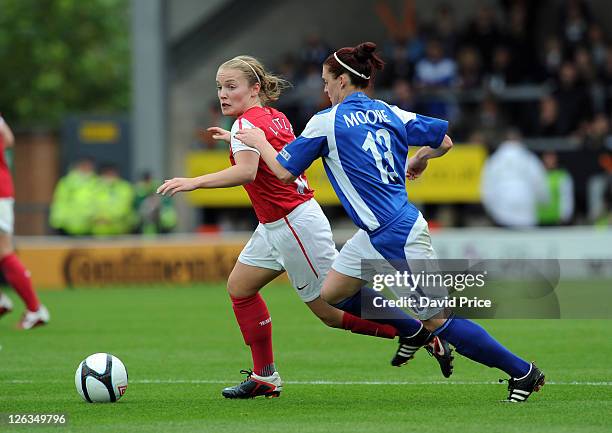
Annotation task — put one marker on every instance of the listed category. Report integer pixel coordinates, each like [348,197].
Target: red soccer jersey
[271,198]
[6,182]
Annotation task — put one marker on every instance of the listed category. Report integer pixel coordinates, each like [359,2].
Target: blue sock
[406,325]
[473,341]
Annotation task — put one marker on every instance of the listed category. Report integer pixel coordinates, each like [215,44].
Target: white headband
[252,69]
[349,68]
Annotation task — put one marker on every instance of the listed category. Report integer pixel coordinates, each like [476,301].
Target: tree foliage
[63,56]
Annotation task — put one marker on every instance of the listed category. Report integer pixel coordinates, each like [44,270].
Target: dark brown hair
[361,58]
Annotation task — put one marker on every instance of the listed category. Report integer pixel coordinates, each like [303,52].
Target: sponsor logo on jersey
[285,154]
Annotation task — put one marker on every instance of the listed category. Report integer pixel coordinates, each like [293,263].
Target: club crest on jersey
[286,155]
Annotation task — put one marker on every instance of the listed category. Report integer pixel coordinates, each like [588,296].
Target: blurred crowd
[541,69]
[90,202]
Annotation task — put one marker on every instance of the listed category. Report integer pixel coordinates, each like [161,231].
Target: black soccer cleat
[254,385]
[521,389]
[441,350]
[409,345]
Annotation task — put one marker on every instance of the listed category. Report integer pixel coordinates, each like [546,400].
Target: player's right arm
[242,173]
[7,135]
[256,138]
[296,156]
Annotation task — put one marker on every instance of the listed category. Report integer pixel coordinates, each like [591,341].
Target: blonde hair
[271,86]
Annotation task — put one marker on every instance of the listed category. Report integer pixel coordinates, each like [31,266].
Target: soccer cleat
[254,385]
[521,389]
[409,345]
[32,319]
[6,305]
[441,350]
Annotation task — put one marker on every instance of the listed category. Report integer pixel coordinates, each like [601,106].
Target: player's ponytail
[360,62]
[365,52]
[271,86]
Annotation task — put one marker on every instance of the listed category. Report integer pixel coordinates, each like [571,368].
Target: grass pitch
[182,345]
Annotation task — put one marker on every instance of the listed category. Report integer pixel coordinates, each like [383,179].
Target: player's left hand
[416,167]
[177,184]
[252,137]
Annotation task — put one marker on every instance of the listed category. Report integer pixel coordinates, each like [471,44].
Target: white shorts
[301,243]
[359,259]
[7,215]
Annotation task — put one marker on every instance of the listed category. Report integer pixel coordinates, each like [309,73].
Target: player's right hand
[217,133]
[177,184]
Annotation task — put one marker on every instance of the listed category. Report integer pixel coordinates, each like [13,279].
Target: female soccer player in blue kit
[364,146]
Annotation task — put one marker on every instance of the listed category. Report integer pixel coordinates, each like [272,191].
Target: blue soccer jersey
[364,146]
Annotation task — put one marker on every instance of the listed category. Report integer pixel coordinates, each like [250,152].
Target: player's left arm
[418,163]
[6,133]
[430,134]
[256,138]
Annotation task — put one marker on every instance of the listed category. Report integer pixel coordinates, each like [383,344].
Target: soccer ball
[101,378]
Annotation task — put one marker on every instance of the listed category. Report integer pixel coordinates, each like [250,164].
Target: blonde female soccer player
[293,234]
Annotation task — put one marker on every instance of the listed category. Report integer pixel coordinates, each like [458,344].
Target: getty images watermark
[507,288]
[423,283]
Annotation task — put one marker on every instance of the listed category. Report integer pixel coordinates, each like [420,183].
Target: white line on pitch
[314,382]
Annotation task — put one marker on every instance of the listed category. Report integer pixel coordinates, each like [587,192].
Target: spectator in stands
[113,204]
[484,34]
[445,29]
[399,63]
[518,44]
[436,72]
[504,71]
[156,212]
[314,51]
[469,67]
[574,23]
[403,96]
[491,121]
[546,123]
[573,98]
[71,207]
[552,58]
[585,68]
[560,208]
[606,71]
[597,45]
[513,184]
[597,132]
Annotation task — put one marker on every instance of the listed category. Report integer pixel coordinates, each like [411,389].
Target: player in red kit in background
[11,267]
[293,233]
